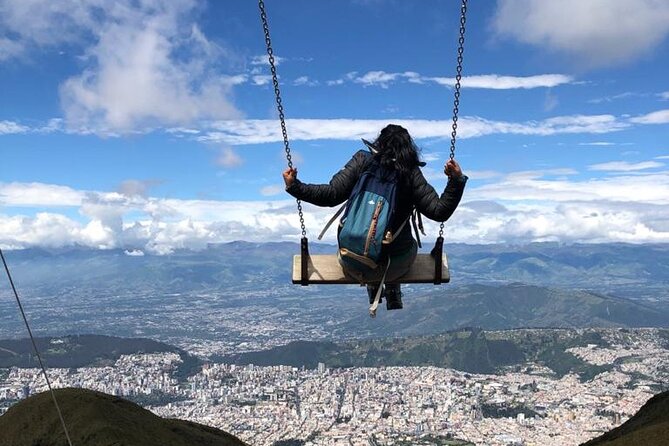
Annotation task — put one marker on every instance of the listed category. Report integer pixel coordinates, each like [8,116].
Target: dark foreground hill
[98,419]
[648,427]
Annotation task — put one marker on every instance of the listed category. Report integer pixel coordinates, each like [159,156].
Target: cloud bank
[256,131]
[519,207]
[384,79]
[594,33]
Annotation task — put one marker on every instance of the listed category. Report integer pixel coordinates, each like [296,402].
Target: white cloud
[182,130]
[139,58]
[551,101]
[10,49]
[569,222]
[625,208]
[96,235]
[335,82]
[44,230]
[264,131]
[53,125]
[39,194]
[594,32]
[148,57]
[237,79]
[256,131]
[664,95]
[597,143]
[261,79]
[43,23]
[10,127]
[482,174]
[609,99]
[431,156]
[305,80]
[544,173]
[137,187]
[518,207]
[649,188]
[498,82]
[384,79]
[229,158]
[263,59]
[348,77]
[413,77]
[271,190]
[624,166]
[380,78]
[657,117]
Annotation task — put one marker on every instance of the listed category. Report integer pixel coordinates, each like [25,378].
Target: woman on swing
[394,149]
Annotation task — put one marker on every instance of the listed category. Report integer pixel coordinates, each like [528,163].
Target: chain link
[279,105]
[456,94]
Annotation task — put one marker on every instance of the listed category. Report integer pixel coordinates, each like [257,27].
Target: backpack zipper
[372,227]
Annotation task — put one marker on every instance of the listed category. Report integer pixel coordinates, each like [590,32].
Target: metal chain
[456,94]
[279,105]
[39,357]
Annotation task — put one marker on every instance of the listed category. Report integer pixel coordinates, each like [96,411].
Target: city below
[525,404]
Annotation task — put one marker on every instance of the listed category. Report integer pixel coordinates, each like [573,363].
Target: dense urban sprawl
[385,405]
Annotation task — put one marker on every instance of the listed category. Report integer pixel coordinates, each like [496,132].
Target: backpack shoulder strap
[368,158]
[332,220]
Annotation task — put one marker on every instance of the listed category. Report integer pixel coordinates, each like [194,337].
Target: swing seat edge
[324,269]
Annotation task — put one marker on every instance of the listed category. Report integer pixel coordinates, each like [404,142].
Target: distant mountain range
[246,289]
[623,270]
[97,419]
[618,269]
[514,305]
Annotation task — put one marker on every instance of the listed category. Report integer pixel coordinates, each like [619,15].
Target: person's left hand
[289,176]
[452,169]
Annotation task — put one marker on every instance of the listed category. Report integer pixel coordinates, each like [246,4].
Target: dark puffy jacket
[415,191]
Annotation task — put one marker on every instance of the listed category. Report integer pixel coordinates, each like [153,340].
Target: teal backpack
[366,224]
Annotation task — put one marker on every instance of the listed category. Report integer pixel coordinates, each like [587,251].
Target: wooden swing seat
[325,270]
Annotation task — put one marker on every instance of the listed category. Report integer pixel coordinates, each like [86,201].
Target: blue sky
[150,125]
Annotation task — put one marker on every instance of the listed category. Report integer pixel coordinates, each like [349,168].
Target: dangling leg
[400,265]
[393,295]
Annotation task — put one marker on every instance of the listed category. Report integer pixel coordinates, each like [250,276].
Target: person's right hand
[289,176]
[452,169]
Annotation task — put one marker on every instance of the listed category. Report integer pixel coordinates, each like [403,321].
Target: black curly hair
[396,150]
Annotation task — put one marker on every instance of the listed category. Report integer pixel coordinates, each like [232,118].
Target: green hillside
[471,350]
[648,427]
[86,351]
[98,419]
